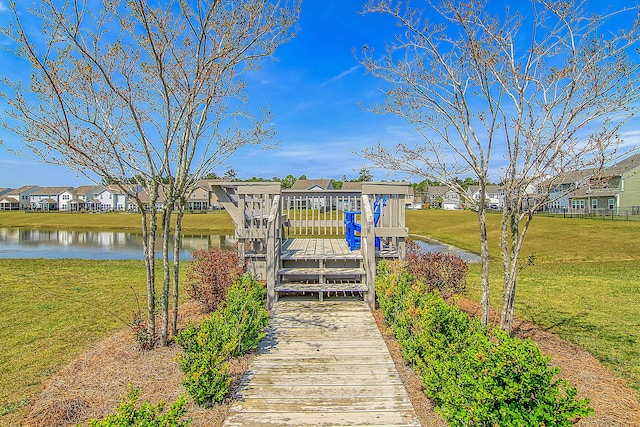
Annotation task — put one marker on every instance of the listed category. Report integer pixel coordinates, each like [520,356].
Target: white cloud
[3,7]
[341,75]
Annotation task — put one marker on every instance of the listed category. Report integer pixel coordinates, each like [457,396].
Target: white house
[451,200]
[85,198]
[494,195]
[17,199]
[50,198]
[113,198]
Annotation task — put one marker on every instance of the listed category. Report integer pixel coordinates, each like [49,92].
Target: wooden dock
[322,364]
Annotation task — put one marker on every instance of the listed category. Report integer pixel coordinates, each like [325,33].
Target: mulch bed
[92,385]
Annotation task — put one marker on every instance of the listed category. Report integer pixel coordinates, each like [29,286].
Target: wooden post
[368,250]
[273,250]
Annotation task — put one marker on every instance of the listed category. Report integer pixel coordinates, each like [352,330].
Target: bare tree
[123,89]
[547,86]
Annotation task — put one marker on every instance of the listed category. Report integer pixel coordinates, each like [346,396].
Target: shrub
[235,328]
[441,271]
[475,376]
[146,415]
[144,340]
[211,274]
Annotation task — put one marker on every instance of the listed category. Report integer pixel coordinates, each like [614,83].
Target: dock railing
[318,212]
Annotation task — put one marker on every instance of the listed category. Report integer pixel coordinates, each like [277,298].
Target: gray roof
[50,190]
[306,184]
[86,189]
[353,186]
[623,166]
[23,189]
[594,192]
[437,190]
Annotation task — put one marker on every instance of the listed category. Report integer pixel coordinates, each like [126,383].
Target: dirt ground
[91,386]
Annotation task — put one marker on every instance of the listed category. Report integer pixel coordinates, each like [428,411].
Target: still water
[33,243]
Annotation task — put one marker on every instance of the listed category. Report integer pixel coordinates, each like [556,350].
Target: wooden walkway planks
[322,364]
[301,249]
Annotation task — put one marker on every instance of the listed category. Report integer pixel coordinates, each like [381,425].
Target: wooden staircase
[320,266]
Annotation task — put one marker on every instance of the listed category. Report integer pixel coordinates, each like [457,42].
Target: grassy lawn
[584,286]
[53,310]
[218,222]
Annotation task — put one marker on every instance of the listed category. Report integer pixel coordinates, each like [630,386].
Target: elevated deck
[322,364]
[297,240]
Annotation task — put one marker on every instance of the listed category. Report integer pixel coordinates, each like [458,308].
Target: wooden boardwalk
[322,364]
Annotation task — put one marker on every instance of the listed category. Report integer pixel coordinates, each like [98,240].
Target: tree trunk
[149,225]
[510,264]
[177,242]
[484,257]
[166,283]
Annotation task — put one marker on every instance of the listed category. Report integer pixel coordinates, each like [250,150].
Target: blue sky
[314,92]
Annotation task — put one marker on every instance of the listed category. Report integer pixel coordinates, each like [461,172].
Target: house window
[611,204]
[594,204]
[577,204]
[65,197]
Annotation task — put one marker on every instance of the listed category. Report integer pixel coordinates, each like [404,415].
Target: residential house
[451,200]
[200,197]
[562,186]
[146,200]
[435,195]
[494,195]
[310,185]
[411,201]
[6,203]
[114,198]
[350,203]
[85,198]
[615,190]
[313,185]
[17,199]
[50,198]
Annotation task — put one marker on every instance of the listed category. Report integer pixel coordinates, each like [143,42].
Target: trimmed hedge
[234,329]
[475,376]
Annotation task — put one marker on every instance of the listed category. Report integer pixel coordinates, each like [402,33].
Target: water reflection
[34,243]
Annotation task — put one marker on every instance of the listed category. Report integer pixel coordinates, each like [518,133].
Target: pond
[114,245]
[430,245]
[35,243]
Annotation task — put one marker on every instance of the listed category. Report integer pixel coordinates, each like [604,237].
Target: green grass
[53,310]
[218,222]
[584,286]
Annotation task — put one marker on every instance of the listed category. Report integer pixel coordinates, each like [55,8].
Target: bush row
[130,414]
[235,328]
[475,376]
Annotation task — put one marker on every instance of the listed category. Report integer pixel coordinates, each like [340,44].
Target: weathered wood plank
[317,249]
[322,364]
[352,418]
